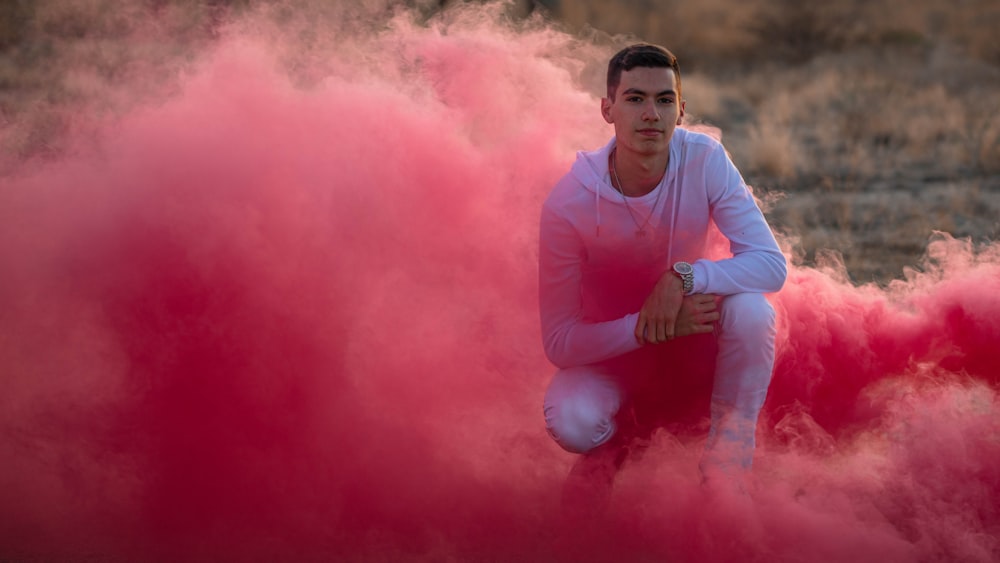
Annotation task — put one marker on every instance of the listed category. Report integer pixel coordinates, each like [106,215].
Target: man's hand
[668,313]
[697,315]
[658,316]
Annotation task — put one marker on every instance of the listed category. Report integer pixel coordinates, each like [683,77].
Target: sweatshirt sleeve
[568,340]
[757,265]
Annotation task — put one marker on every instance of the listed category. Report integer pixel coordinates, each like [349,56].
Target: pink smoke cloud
[270,321]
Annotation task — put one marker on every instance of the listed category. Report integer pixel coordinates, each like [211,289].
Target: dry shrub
[773,152]
[702,98]
[871,114]
[13,18]
[697,32]
[988,146]
[794,31]
[770,149]
[971,24]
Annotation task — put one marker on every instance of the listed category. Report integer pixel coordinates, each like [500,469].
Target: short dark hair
[642,55]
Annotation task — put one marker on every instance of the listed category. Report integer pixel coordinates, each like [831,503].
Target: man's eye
[634,99]
[666,101]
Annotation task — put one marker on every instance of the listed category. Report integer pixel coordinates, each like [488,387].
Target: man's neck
[639,174]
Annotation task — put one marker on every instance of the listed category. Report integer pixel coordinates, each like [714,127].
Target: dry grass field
[871,124]
[865,126]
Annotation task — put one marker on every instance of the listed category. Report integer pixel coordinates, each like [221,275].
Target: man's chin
[651,147]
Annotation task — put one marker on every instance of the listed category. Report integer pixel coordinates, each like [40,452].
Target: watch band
[685,272]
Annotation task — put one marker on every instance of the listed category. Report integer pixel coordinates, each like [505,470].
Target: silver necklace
[640,229]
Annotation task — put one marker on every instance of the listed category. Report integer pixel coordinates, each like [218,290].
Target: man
[628,295]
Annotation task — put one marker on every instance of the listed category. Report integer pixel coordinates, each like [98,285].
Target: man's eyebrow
[642,93]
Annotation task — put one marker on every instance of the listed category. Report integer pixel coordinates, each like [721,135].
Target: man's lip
[650,131]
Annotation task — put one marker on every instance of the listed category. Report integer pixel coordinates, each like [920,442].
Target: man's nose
[650,113]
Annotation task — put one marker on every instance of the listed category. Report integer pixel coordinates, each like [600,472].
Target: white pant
[581,402]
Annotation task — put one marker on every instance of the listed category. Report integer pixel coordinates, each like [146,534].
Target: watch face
[683,268]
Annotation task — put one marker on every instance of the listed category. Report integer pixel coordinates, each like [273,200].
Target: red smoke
[265,321]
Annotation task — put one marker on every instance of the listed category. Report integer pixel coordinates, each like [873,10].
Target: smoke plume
[288,312]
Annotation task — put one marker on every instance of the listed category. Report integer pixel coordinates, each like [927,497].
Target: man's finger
[641,331]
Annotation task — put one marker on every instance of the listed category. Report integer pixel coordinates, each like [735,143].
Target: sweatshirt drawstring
[676,203]
[597,205]
[673,210]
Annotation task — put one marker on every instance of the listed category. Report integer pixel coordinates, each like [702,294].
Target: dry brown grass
[879,120]
[65,67]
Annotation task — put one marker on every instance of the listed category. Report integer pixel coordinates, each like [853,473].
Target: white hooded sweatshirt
[595,271]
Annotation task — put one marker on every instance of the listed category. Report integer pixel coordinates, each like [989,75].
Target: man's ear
[606,110]
[680,116]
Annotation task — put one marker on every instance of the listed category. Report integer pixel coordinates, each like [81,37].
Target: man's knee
[580,408]
[577,426]
[747,316]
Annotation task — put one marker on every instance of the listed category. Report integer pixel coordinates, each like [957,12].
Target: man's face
[646,110]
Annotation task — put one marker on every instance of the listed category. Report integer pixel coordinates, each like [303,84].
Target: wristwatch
[685,272]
